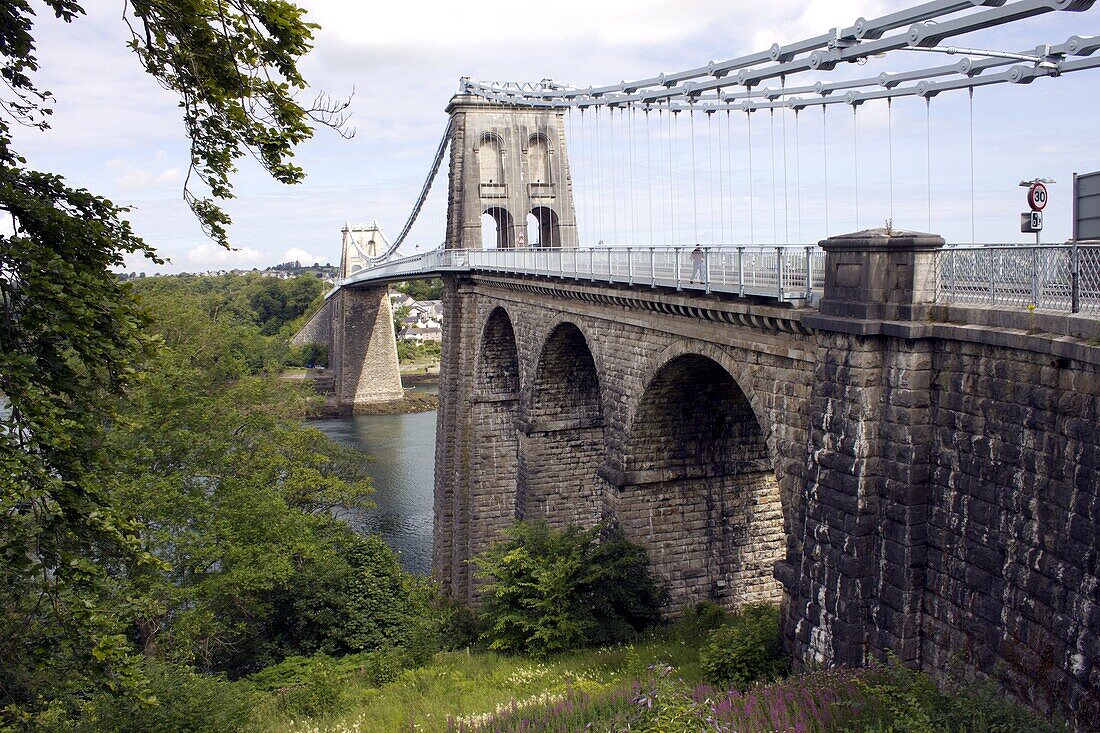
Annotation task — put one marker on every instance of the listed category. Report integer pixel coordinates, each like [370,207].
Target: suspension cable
[775,197]
[721,187]
[786,199]
[855,157]
[671,186]
[890,155]
[928,155]
[973,213]
[825,167]
[440,150]
[798,177]
[649,174]
[752,229]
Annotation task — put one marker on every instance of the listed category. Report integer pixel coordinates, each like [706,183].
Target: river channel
[401,449]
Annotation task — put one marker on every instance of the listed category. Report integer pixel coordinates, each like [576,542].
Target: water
[403,471]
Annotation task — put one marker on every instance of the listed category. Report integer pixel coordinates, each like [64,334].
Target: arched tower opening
[699,489]
[563,434]
[546,226]
[532,230]
[497,231]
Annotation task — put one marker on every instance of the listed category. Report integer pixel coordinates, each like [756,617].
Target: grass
[652,686]
[469,685]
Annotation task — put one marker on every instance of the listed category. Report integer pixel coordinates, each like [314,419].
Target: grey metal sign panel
[1086,205]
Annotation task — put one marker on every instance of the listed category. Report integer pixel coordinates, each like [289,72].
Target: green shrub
[352,599]
[315,689]
[183,701]
[698,623]
[901,700]
[745,649]
[552,590]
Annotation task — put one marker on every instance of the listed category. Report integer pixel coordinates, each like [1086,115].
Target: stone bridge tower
[356,324]
[508,163]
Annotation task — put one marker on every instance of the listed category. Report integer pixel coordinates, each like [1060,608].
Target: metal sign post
[1037,199]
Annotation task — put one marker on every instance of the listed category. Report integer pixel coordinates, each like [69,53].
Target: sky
[117,133]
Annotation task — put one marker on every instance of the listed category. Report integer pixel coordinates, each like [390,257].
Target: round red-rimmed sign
[1037,196]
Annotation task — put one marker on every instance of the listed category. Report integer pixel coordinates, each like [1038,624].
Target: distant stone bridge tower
[361,244]
[509,163]
[356,325]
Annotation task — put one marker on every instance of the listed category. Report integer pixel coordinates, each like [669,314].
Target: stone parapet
[879,273]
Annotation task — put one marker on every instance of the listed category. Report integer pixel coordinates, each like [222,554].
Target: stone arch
[546,221]
[698,487]
[495,446]
[737,368]
[490,159]
[498,359]
[562,433]
[539,167]
[531,360]
[501,220]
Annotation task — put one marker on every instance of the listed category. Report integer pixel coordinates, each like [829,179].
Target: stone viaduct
[902,476]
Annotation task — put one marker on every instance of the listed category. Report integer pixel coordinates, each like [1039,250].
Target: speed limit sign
[1037,196]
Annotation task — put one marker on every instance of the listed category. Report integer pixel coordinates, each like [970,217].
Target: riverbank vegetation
[238,558]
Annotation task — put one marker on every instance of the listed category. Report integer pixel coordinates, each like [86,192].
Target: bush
[184,701]
[906,701]
[552,590]
[746,649]
[304,685]
[315,686]
[355,598]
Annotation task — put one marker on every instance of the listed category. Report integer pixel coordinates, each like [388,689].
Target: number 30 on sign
[1037,196]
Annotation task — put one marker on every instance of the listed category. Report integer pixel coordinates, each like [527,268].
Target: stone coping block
[879,273]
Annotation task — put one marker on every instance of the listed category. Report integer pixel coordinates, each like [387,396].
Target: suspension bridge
[668,165]
[893,436]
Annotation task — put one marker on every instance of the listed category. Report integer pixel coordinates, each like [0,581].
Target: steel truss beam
[863,39]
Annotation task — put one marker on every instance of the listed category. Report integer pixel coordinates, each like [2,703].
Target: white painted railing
[789,274]
[1063,277]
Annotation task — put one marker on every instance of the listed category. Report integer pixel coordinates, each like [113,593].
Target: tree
[421,289]
[70,331]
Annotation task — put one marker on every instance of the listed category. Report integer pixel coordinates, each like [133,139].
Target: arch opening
[699,488]
[498,362]
[547,232]
[496,229]
[532,231]
[562,441]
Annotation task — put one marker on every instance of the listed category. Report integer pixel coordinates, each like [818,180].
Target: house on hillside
[420,335]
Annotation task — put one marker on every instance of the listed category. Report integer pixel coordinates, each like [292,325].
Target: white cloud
[299,254]
[209,254]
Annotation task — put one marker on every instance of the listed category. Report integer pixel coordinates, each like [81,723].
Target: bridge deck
[789,274]
[1058,277]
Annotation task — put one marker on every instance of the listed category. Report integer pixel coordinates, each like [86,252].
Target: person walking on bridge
[697,264]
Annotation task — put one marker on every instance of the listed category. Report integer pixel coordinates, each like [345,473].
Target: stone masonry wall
[709,539]
[318,329]
[583,371]
[365,349]
[951,516]
[1014,523]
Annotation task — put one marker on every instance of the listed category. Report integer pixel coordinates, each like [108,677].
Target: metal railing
[1059,277]
[789,274]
